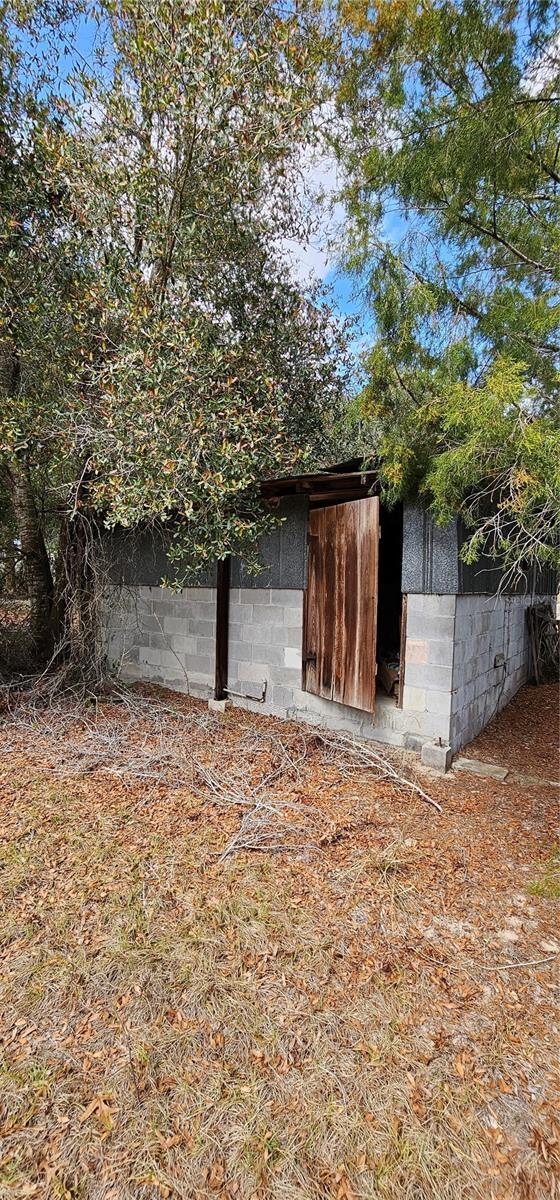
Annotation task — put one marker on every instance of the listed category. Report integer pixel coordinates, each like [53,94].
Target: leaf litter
[336,1015]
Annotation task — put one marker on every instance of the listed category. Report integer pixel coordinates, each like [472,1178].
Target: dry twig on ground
[138,738]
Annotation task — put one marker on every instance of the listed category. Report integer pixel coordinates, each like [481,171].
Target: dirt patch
[351,1019]
[525,736]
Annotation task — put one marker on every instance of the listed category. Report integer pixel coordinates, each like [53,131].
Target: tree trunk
[9,570]
[75,612]
[36,565]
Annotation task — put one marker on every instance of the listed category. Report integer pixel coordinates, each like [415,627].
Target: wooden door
[340,612]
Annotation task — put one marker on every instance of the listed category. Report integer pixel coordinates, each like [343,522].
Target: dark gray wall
[284,551]
[139,558]
[430,554]
[432,563]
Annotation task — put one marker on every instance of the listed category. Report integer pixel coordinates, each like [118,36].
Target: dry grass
[266,1026]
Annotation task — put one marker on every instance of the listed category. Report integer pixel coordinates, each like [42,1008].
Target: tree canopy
[157,358]
[450,143]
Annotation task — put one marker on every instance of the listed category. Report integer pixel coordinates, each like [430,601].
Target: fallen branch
[365,757]
[534,962]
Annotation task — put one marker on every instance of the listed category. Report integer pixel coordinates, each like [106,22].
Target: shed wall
[486,626]
[139,559]
[432,563]
[164,637]
[452,688]
[169,638]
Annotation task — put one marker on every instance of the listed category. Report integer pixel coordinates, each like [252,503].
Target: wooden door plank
[341,603]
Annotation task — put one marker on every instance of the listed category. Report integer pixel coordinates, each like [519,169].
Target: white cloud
[313,256]
[542,72]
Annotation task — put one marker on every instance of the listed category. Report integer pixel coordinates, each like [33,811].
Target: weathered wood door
[340,613]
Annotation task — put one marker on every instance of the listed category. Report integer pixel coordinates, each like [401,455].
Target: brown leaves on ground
[333,1024]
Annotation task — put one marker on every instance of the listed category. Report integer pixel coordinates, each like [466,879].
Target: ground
[367,1013]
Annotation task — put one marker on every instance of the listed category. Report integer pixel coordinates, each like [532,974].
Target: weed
[548,885]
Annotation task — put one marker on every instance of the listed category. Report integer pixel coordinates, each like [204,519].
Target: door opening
[390,669]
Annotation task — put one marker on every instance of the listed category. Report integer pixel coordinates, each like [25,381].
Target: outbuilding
[364,619]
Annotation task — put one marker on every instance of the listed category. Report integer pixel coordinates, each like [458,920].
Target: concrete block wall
[164,637]
[168,638]
[451,690]
[265,639]
[486,626]
[428,668]
[265,645]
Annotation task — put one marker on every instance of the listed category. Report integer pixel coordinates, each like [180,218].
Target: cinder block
[239,651]
[200,665]
[413,697]
[133,672]
[435,605]
[432,725]
[428,676]
[159,641]
[268,614]
[274,655]
[292,657]
[438,702]
[146,621]
[253,672]
[150,656]
[256,634]
[131,653]
[175,624]
[162,609]
[202,628]
[169,658]
[416,651]
[182,644]
[286,676]
[436,756]
[287,597]
[201,611]
[424,625]
[218,706]
[205,645]
[283,697]
[254,595]
[198,687]
[241,614]
[290,635]
[440,652]
[293,616]
[198,595]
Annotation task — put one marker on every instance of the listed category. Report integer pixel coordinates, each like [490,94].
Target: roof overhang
[348,481]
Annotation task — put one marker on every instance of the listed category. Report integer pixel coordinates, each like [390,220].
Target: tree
[44,277]
[451,148]
[158,359]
